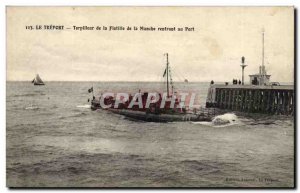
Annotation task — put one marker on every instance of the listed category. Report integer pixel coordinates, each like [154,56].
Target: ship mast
[263,47]
[263,69]
[167,75]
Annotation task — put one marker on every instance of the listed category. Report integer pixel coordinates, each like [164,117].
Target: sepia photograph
[150,97]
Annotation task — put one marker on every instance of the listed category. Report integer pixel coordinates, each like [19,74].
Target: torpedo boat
[165,108]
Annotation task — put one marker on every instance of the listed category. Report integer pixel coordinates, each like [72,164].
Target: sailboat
[37,81]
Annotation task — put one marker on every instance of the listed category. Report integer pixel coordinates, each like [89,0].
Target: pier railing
[263,99]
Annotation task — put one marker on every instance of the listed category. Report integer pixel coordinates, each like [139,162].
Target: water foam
[221,120]
[32,108]
[225,119]
[84,106]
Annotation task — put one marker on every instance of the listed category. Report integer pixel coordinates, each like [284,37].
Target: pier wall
[252,99]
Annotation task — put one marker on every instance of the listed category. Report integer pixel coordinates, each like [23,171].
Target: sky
[213,51]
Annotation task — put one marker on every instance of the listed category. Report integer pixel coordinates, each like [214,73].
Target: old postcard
[150,97]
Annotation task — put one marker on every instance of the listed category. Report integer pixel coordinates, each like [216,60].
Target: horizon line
[99,81]
[129,81]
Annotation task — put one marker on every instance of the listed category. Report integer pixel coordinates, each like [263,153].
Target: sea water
[54,140]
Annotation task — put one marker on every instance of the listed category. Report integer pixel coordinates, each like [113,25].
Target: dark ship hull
[204,115]
[150,117]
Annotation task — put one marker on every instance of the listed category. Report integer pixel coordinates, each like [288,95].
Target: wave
[263,123]
[84,106]
[28,95]
[203,166]
[71,116]
[78,115]
[224,120]
[32,108]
